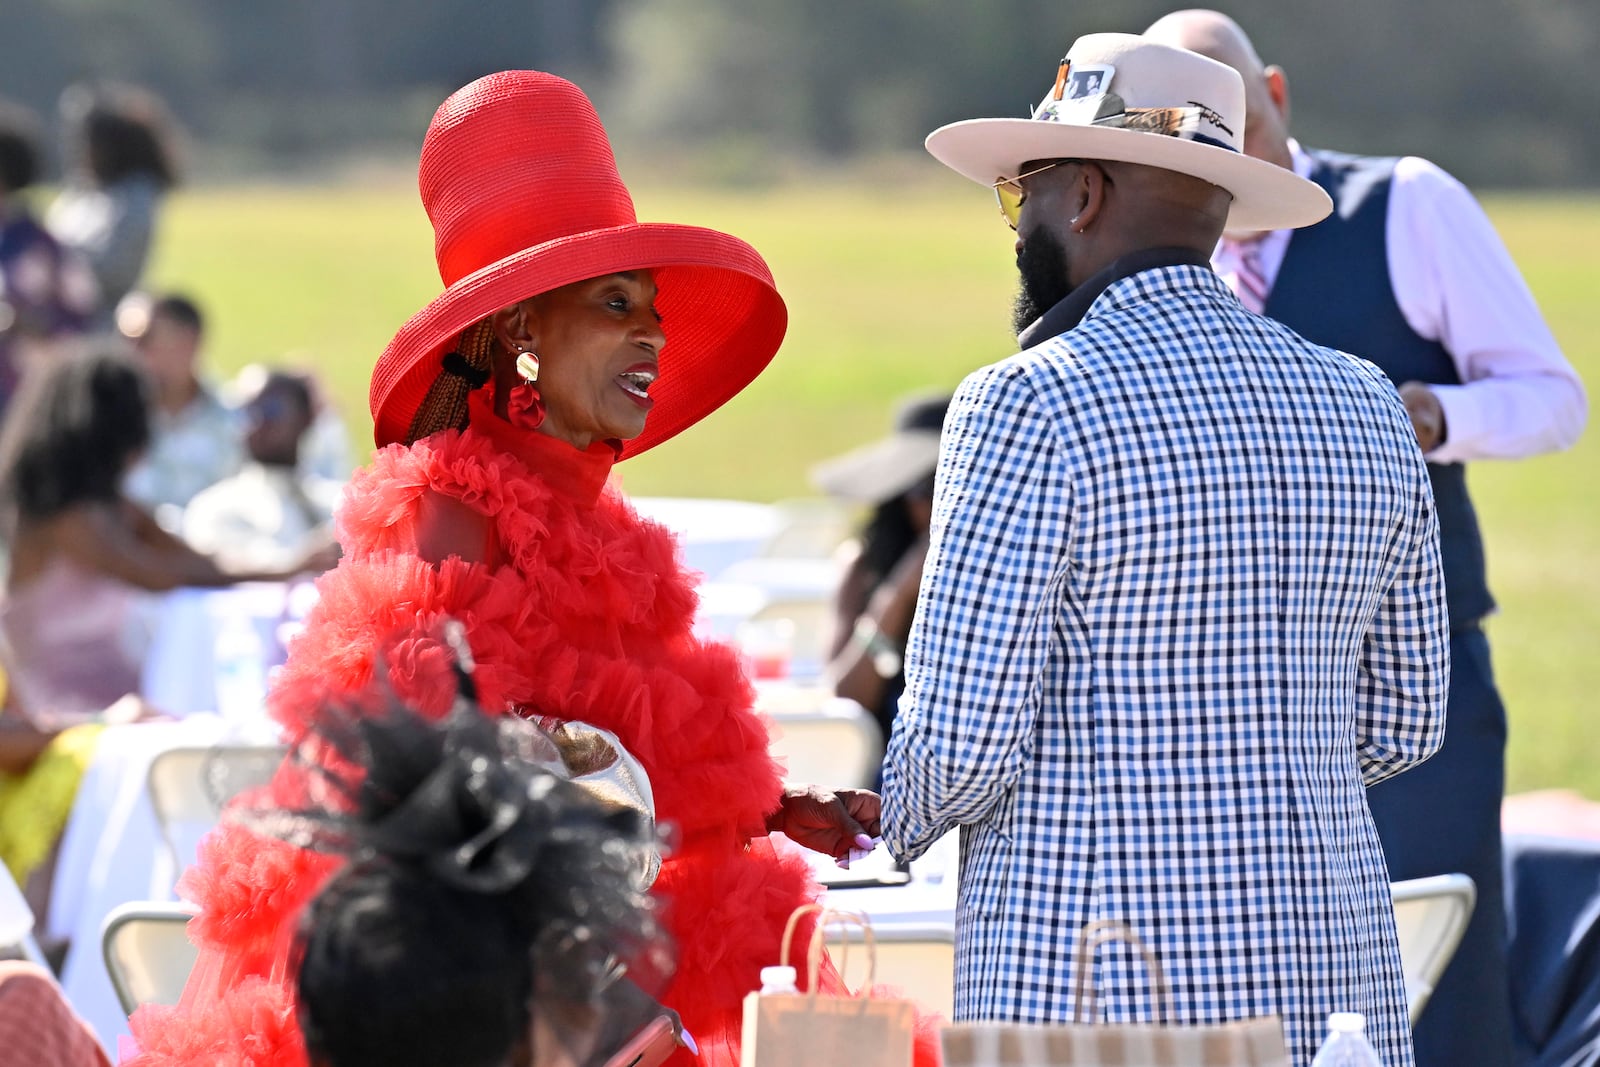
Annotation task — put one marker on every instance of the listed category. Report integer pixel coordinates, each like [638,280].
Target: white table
[930,896]
[715,534]
[112,853]
[183,672]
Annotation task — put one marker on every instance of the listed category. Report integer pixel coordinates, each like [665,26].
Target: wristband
[886,656]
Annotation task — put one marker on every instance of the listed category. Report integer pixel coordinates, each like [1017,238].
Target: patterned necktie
[1252,281]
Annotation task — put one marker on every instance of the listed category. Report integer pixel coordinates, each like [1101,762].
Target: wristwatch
[884,652]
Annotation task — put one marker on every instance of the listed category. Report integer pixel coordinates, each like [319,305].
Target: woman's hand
[831,822]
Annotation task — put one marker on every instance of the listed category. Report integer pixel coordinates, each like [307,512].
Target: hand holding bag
[1249,1043]
[809,1030]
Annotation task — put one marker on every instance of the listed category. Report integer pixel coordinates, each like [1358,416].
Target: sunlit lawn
[893,289]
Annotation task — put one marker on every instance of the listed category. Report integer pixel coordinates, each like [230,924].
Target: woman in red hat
[569,336]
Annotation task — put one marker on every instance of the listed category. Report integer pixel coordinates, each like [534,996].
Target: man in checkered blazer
[1183,600]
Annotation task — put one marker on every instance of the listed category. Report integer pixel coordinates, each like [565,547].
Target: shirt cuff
[905,838]
[1463,423]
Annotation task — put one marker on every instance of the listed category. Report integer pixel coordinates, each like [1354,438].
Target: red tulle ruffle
[590,618]
[251,1024]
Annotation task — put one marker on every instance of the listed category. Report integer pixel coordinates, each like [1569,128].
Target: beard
[1042,263]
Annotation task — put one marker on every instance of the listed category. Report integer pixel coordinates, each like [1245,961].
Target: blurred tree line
[1498,91]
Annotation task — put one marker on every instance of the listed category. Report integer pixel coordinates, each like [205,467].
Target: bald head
[1212,34]
[1266,90]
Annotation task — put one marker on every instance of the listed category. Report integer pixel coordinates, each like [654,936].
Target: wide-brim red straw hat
[521,186]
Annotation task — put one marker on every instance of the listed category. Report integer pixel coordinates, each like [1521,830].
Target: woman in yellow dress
[40,768]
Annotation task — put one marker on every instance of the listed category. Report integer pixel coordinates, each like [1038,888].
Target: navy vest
[1334,289]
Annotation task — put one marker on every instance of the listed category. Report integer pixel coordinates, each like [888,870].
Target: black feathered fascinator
[482,884]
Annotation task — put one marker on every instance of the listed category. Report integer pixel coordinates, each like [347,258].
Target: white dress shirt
[197,447]
[1455,284]
[262,517]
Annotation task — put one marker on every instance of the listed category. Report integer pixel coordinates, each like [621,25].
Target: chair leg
[36,956]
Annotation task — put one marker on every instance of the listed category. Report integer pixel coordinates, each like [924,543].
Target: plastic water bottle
[777,980]
[240,672]
[1347,1044]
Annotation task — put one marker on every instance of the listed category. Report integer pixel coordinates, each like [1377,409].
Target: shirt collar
[1071,309]
[1302,161]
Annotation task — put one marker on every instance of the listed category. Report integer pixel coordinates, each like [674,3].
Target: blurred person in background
[77,611]
[877,597]
[196,439]
[325,452]
[121,163]
[46,292]
[41,764]
[42,760]
[271,512]
[1409,273]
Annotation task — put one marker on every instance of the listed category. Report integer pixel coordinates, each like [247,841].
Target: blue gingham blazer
[1183,602]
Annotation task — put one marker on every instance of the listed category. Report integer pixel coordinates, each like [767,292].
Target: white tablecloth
[112,853]
[930,896]
[715,534]
[216,646]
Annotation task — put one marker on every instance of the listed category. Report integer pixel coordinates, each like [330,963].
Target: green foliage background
[1498,91]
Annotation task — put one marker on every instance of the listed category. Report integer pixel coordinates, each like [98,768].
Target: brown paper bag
[1249,1043]
[807,1030]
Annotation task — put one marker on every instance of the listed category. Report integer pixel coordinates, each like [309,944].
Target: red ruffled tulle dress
[579,609]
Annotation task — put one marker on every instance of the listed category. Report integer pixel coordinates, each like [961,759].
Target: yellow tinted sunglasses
[1009,194]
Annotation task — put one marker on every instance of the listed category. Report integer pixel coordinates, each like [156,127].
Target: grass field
[894,288]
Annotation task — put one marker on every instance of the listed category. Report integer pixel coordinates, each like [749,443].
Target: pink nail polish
[864,842]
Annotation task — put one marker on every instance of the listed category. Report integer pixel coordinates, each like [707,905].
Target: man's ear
[1278,89]
[1089,194]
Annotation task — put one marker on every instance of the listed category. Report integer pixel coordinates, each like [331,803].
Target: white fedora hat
[1119,96]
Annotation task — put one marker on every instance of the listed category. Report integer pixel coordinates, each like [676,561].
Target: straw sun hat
[891,465]
[1121,97]
[522,189]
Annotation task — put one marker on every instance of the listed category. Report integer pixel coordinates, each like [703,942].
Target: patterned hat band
[1187,123]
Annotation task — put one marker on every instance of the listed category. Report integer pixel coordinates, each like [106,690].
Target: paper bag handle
[814,950]
[1109,931]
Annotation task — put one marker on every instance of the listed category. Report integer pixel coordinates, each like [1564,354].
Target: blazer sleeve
[1404,670]
[984,629]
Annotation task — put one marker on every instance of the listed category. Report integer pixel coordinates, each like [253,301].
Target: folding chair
[148,952]
[826,740]
[189,786]
[916,959]
[1430,915]
[16,920]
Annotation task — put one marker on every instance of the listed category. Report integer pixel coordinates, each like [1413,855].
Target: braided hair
[469,367]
